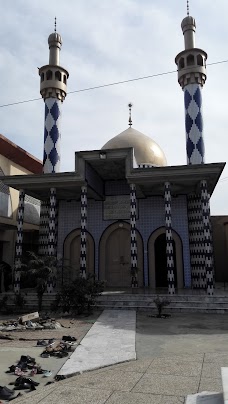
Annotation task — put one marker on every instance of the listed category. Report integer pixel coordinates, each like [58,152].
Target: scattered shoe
[21,380]
[45,355]
[18,372]
[25,386]
[5,393]
[27,359]
[47,373]
[68,338]
[41,342]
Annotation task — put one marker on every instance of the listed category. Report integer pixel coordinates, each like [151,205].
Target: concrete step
[169,309]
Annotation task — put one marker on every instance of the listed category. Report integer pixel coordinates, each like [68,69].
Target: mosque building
[123,214]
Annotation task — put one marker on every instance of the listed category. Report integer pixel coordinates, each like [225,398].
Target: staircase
[178,303]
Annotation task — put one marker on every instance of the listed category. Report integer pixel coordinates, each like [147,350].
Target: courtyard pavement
[175,357]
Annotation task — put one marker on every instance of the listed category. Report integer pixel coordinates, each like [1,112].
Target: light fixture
[103,155]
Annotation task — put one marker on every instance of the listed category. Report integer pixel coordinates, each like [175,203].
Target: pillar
[83,231]
[169,240]
[52,242]
[133,217]
[208,251]
[19,242]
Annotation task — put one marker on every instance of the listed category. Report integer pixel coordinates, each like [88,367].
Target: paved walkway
[110,340]
[179,356]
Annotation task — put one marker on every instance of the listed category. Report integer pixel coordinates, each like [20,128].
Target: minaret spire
[188,8]
[130,105]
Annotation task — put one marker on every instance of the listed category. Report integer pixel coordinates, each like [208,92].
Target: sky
[107,41]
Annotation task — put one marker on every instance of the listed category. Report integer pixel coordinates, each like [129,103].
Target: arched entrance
[115,257]
[157,260]
[71,254]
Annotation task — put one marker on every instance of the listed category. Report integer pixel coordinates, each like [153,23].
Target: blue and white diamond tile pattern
[194,124]
[169,240]
[19,241]
[44,228]
[52,223]
[133,215]
[83,230]
[51,160]
[207,237]
[52,234]
[196,241]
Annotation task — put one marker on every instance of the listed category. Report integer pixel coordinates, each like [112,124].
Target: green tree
[42,268]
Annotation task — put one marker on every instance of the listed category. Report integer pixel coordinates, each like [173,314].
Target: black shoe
[22,365]
[27,359]
[68,338]
[28,380]
[11,369]
[24,386]
[5,393]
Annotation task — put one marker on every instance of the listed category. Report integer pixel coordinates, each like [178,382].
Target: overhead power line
[115,83]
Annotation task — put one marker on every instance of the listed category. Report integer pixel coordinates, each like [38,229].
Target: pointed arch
[152,258]
[114,256]
[71,254]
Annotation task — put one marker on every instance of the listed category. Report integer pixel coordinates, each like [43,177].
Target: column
[196,241]
[169,240]
[83,231]
[194,124]
[208,251]
[19,241]
[52,235]
[133,217]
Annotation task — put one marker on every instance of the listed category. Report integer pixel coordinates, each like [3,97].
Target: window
[49,75]
[190,60]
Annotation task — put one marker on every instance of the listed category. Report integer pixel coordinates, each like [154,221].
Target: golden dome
[146,150]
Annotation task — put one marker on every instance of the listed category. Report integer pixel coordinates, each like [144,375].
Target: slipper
[45,355]
[47,373]
[41,342]
[68,338]
[18,372]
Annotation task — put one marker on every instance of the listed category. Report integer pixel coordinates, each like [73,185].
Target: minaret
[53,88]
[191,64]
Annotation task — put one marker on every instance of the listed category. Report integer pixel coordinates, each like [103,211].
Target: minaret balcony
[53,78]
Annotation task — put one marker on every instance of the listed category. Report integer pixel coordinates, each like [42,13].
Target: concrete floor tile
[184,357]
[132,366]
[68,395]
[35,397]
[136,398]
[219,357]
[212,370]
[167,385]
[175,367]
[210,384]
[110,380]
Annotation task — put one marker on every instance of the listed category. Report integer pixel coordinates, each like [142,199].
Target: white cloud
[106,41]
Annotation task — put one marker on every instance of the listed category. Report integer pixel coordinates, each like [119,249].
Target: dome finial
[130,105]
[55,24]
[188,8]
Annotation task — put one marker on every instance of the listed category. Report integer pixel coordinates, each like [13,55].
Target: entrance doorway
[158,263]
[71,255]
[161,262]
[115,256]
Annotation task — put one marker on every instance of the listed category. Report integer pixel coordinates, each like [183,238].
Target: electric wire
[115,83]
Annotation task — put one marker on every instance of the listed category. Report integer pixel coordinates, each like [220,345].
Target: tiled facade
[150,217]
